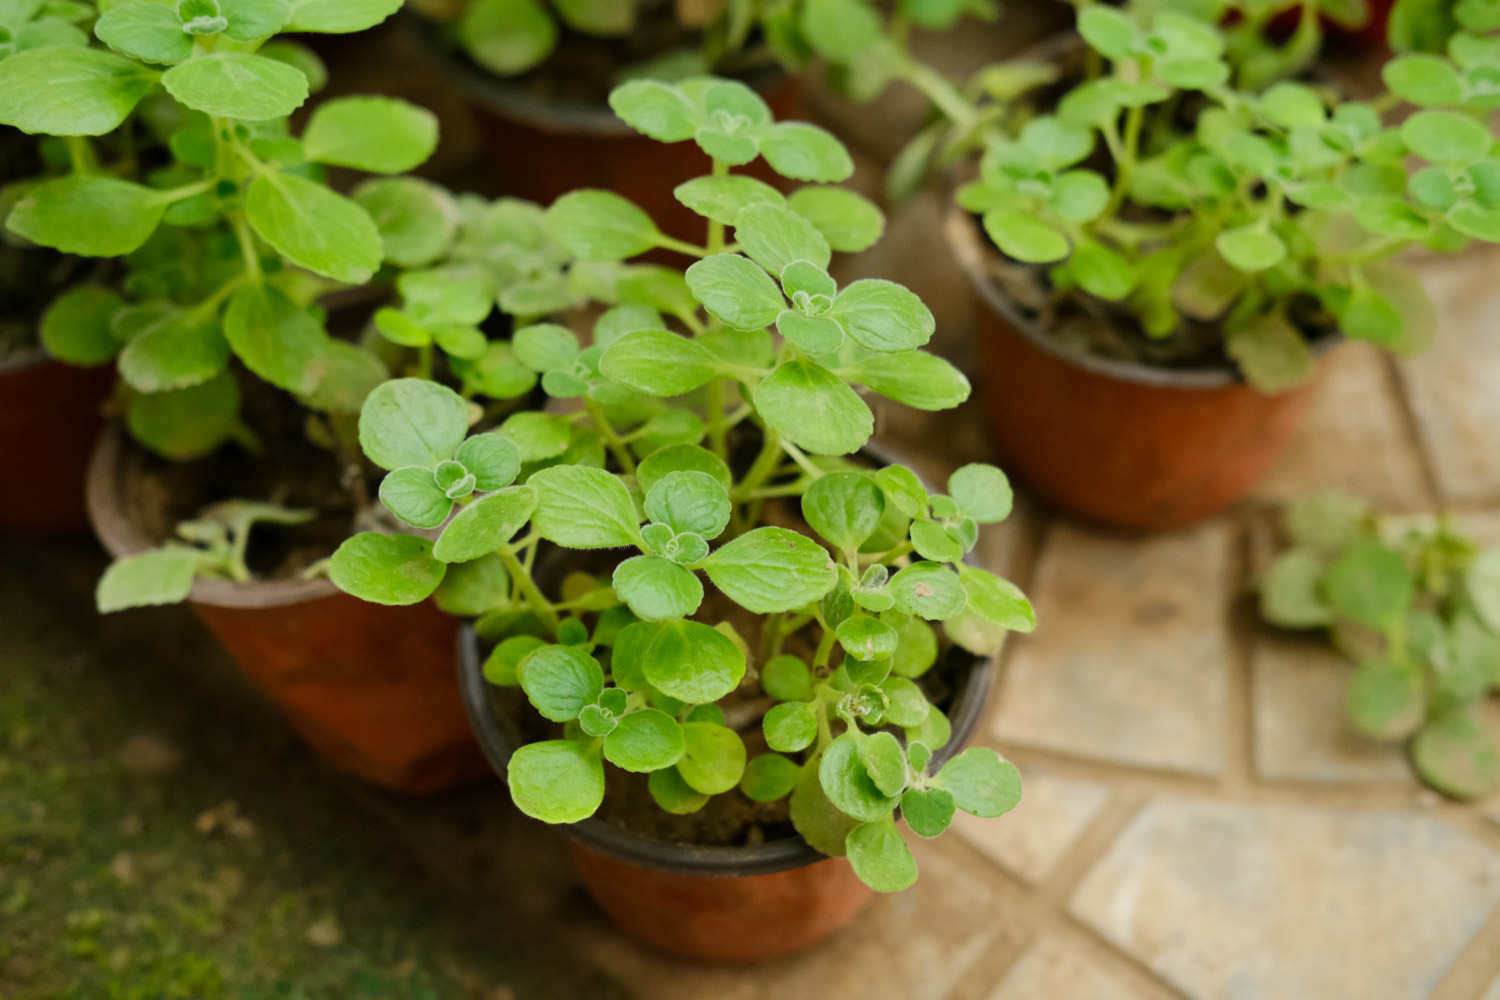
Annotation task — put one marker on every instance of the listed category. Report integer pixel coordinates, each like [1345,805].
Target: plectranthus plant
[727,540]
[1414,603]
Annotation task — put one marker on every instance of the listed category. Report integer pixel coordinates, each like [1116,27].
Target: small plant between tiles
[647,463]
[1415,604]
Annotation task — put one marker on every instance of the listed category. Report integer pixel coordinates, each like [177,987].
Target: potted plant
[239,402]
[1415,603]
[710,747]
[1166,255]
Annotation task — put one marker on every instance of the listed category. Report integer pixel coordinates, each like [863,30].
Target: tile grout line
[1476,967]
[1411,428]
[1239,761]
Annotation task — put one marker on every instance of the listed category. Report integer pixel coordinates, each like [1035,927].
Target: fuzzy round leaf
[1370,584]
[507,36]
[1289,594]
[689,501]
[786,678]
[75,327]
[386,569]
[883,316]
[934,542]
[982,492]
[314,227]
[486,524]
[713,758]
[1456,756]
[1385,702]
[769,777]
[473,588]
[601,225]
[722,198]
[673,794]
[186,423]
[1446,137]
[656,588]
[658,363]
[411,421]
[928,589]
[411,494]
[813,408]
[848,784]
[982,782]
[844,508]
[681,458]
[1251,248]
[1108,32]
[416,219]
[805,152]
[996,600]
[790,726]
[655,109]
[928,811]
[772,569]
[382,135]
[816,335]
[907,706]
[147,579]
[849,221]
[1022,236]
[773,236]
[556,781]
[645,741]
[537,436]
[584,508]
[884,761]
[1423,79]
[237,85]
[560,680]
[68,90]
[1482,584]
[149,32]
[693,663]
[87,214]
[493,459]
[736,290]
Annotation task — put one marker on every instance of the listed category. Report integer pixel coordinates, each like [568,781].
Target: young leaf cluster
[1417,607]
[708,408]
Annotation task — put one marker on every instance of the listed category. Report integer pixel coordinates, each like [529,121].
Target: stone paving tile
[1263,902]
[1030,841]
[1136,673]
[1300,733]
[1453,384]
[1353,438]
[1055,968]
[1493,993]
[915,945]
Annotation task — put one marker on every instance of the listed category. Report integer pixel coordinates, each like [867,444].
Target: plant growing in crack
[689,442]
[1415,604]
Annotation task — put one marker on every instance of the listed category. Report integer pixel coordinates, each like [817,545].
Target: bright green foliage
[699,395]
[1412,602]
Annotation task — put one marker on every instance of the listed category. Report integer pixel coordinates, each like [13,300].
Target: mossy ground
[163,836]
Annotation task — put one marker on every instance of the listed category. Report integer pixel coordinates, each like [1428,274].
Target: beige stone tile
[1455,385]
[1300,728]
[1265,902]
[1353,438]
[1493,993]
[1129,662]
[1030,840]
[1056,967]
[914,945]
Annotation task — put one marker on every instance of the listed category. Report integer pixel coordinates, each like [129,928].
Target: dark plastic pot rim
[971,250]
[115,461]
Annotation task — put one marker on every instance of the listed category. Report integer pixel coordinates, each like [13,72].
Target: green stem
[763,468]
[718,434]
[770,636]
[681,246]
[81,154]
[937,89]
[715,241]
[612,439]
[528,588]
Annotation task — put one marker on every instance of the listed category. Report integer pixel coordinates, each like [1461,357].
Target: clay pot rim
[509,99]
[970,249]
[114,461]
[689,859]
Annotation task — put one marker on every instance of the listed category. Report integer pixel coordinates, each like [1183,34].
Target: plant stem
[681,246]
[612,439]
[528,588]
[715,241]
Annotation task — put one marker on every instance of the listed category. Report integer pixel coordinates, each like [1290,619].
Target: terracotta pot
[711,904]
[543,147]
[370,688]
[50,417]
[1124,444]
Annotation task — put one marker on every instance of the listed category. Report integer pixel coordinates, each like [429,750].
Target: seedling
[682,428]
[1417,607]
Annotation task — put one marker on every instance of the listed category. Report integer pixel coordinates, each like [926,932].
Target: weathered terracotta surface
[1123,444]
[49,421]
[372,689]
[731,919]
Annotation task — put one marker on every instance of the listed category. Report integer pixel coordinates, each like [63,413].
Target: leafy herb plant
[1417,607]
[690,443]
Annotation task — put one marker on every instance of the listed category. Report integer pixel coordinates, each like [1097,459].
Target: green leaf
[928,589]
[386,569]
[773,236]
[981,492]
[814,817]
[1272,353]
[657,589]
[493,459]
[379,134]
[1251,248]
[411,421]
[644,741]
[908,705]
[314,227]
[928,811]
[584,508]
[681,458]
[174,353]
[1446,137]
[1022,236]
[1423,79]
[556,781]
[275,338]
[713,759]
[916,378]
[880,857]
[476,588]
[237,85]
[1293,105]
[150,32]
[790,726]
[689,501]
[658,363]
[545,346]
[1482,584]
[1108,32]
[866,638]
[883,316]
[884,762]
[339,17]
[485,525]
[844,508]
[982,782]
[786,678]
[996,600]
[507,36]
[159,576]
[769,777]
[1385,702]
[1102,272]
[721,198]
[87,214]
[413,496]
[537,436]
[1456,756]
[673,794]
[814,409]
[63,90]
[805,152]
[772,569]
[600,225]
[693,663]
[1289,594]
[1370,584]
[186,423]
[1326,520]
[416,219]
[655,109]
[848,784]
[736,290]
[75,327]
[560,680]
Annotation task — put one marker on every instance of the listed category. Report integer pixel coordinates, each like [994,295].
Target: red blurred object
[50,417]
